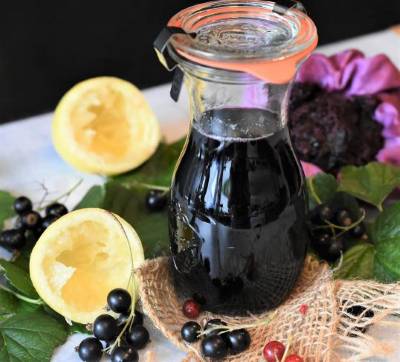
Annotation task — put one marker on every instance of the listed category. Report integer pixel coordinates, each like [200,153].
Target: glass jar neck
[229,104]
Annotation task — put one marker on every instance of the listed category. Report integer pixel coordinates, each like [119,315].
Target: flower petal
[388,114]
[310,169]
[350,72]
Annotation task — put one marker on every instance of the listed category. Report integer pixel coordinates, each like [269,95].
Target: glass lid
[257,37]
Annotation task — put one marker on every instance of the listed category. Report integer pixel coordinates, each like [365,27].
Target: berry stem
[130,287]
[313,192]
[332,226]
[154,187]
[22,297]
[129,321]
[289,342]
[347,228]
[62,196]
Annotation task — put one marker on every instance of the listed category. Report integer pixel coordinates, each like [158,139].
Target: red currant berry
[294,358]
[191,309]
[303,309]
[273,351]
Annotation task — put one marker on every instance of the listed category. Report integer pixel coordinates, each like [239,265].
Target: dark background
[48,46]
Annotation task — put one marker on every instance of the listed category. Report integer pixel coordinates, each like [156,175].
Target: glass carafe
[238,204]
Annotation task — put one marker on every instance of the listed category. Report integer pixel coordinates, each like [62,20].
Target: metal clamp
[160,46]
[282,6]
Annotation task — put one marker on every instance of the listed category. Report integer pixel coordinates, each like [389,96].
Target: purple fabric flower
[354,74]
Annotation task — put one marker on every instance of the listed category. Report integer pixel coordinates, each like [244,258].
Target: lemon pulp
[80,258]
[101,124]
[105,125]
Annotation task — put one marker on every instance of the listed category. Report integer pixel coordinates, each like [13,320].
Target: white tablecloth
[28,161]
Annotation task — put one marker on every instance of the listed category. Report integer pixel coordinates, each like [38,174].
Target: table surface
[28,163]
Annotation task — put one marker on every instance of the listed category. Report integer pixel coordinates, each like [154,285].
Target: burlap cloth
[317,335]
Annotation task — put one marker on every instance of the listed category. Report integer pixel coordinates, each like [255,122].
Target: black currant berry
[156,200]
[47,221]
[239,340]
[358,231]
[22,205]
[119,300]
[105,328]
[325,212]
[343,218]
[190,331]
[12,239]
[124,354]
[31,220]
[321,240]
[214,347]
[56,209]
[19,224]
[335,250]
[220,331]
[31,236]
[90,350]
[138,319]
[122,319]
[137,337]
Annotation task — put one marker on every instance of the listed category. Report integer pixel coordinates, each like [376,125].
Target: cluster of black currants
[29,224]
[219,341]
[331,229]
[123,337]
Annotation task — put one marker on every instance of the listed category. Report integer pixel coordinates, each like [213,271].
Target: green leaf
[18,278]
[77,328]
[321,188]
[22,260]
[8,303]
[388,259]
[4,355]
[158,170]
[71,328]
[358,263]
[385,232]
[130,204]
[125,195]
[93,198]
[383,273]
[371,183]
[30,337]
[387,224]
[27,307]
[6,207]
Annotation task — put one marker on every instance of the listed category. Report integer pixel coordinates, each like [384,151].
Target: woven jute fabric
[317,335]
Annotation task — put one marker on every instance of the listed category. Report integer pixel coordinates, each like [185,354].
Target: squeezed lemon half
[104,125]
[80,258]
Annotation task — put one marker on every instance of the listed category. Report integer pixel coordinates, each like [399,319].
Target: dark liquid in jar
[237,215]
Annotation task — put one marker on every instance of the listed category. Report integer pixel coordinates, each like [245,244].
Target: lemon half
[80,258]
[104,125]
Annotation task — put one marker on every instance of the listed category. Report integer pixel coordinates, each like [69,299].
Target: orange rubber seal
[277,69]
